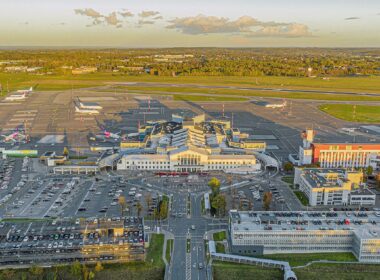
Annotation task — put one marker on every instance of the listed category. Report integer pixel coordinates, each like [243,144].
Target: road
[186,263]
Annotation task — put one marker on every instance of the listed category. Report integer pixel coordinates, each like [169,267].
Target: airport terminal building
[261,233]
[190,145]
[335,155]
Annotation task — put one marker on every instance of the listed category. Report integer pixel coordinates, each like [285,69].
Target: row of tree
[210,62]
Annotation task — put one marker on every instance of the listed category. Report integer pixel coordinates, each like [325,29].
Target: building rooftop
[364,223]
[318,177]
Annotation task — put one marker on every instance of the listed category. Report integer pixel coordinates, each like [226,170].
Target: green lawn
[353,113]
[338,272]
[219,236]
[288,179]
[61,82]
[232,271]
[220,248]
[302,197]
[169,249]
[302,259]
[154,254]
[188,246]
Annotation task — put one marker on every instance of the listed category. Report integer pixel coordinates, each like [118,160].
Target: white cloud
[126,13]
[88,12]
[143,22]
[244,25]
[145,14]
[112,19]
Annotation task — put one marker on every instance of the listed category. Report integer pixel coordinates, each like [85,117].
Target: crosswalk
[188,266]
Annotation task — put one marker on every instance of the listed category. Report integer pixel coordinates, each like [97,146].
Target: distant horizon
[174,47]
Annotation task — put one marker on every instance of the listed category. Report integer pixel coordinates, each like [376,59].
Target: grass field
[232,271]
[339,272]
[353,113]
[219,236]
[154,254]
[302,259]
[302,197]
[219,247]
[15,81]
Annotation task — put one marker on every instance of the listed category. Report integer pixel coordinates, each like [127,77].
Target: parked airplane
[86,111]
[282,105]
[25,91]
[15,97]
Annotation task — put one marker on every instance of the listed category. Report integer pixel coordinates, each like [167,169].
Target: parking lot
[68,240]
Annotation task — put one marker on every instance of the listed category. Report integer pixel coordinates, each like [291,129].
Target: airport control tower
[306,151]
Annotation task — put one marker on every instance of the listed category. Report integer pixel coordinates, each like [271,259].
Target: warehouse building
[261,233]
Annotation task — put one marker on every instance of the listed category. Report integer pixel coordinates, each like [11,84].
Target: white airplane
[25,91]
[86,111]
[282,105]
[349,129]
[15,97]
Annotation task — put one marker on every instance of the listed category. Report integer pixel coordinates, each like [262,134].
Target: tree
[36,270]
[122,203]
[219,203]
[99,267]
[85,272]
[65,152]
[267,199]
[163,209]
[139,208]
[8,274]
[76,269]
[148,199]
[288,167]
[214,184]
[369,170]
[91,275]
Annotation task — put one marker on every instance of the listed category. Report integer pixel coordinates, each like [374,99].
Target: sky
[193,23]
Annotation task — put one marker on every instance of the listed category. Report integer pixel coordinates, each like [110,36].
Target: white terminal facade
[190,145]
[336,155]
[324,186]
[261,233]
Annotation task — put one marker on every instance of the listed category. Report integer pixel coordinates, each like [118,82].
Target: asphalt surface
[248,88]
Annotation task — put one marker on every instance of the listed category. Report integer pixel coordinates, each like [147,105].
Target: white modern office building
[261,233]
[325,186]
